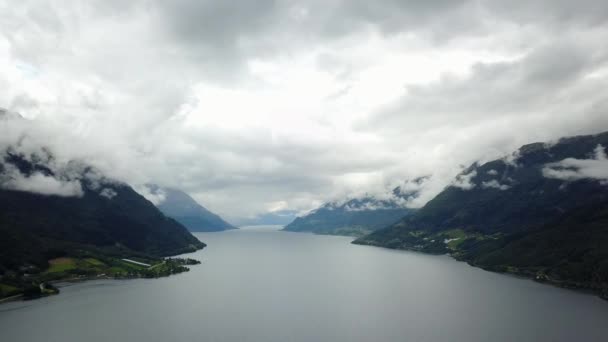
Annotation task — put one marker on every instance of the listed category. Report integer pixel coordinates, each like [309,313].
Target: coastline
[11,299]
[164,268]
[599,292]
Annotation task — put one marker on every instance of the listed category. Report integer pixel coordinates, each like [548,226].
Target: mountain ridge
[354,217]
[187,211]
[95,223]
[499,215]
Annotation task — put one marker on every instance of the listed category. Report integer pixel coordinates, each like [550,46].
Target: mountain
[185,210]
[74,213]
[542,213]
[355,217]
[275,218]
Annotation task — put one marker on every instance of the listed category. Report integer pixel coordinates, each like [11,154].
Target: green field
[61,265]
[7,290]
[94,262]
[88,266]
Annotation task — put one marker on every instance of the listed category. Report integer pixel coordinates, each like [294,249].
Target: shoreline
[12,299]
[522,275]
[52,287]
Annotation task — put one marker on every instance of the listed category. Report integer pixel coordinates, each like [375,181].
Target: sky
[260,106]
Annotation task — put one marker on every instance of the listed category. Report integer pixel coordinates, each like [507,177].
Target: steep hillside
[185,210]
[75,212]
[541,213]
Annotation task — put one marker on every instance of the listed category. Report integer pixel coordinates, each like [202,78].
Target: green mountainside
[106,222]
[534,215]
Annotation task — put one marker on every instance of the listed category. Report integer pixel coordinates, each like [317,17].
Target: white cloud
[276,102]
[41,184]
[156,196]
[494,184]
[368,206]
[572,169]
[465,181]
[108,193]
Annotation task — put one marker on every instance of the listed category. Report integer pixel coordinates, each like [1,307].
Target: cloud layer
[245,105]
[42,184]
[572,169]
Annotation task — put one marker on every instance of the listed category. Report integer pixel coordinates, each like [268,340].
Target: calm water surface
[261,285]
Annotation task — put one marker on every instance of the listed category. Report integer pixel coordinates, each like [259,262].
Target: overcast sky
[255,106]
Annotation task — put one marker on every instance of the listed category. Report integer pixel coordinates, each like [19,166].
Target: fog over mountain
[260,107]
[542,213]
[273,218]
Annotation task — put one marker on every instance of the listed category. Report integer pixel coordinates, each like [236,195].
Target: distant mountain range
[541,213]
[184,209]
[355,217]
[275,218]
